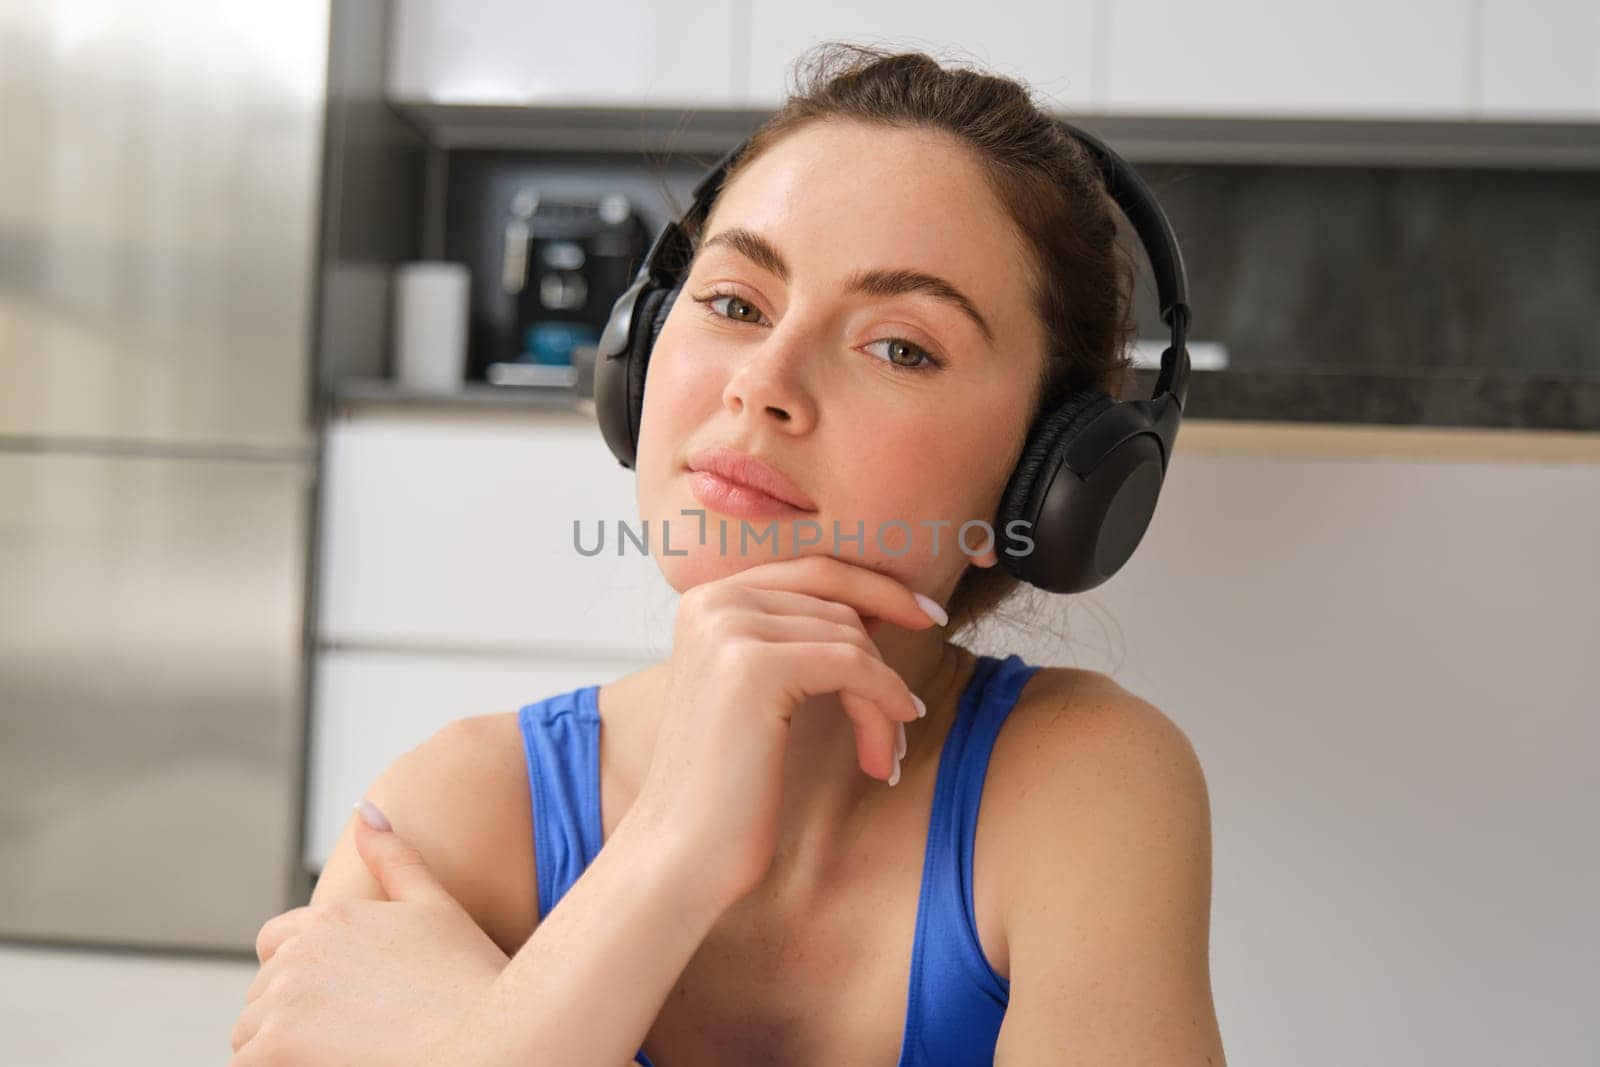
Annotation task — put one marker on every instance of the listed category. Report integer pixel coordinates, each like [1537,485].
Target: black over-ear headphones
[1086,483]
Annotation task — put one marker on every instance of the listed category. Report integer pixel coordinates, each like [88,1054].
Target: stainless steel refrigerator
[160,166]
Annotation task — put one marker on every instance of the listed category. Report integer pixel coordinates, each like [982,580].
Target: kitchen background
[248,558]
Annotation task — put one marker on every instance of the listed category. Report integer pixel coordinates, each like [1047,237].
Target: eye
[710,302]
[921,358]
[903,354]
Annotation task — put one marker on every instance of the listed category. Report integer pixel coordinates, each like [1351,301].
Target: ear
[987,558]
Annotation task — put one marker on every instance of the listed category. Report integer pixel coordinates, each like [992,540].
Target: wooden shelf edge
[1348,440]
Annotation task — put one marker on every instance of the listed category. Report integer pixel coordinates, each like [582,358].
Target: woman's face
[889,406]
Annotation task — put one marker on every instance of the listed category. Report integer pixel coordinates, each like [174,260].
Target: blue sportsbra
[956,1000]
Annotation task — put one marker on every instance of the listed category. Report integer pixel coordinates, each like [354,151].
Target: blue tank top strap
[561,738]
[956,1001]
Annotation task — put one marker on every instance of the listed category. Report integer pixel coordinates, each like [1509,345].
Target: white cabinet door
[371,708]
[615,52]
[1048,46]
[445,530]
[1358,58]
[1541,59]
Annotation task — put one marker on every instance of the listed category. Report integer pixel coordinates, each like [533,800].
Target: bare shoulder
[1106,861]
[1079,753]
[1068,716]
[461,797]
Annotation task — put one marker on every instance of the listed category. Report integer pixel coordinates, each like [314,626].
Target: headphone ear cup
[659,312]
[1084,525]
[654,306]
[1019,500]
[1036,469]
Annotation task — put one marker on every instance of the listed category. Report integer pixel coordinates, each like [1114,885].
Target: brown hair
[1082,279]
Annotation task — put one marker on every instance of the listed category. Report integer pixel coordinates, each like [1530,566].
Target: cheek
[679,396]
[930,467]
[682,390]
[918,474]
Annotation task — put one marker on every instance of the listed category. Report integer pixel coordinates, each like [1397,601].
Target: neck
[827,797]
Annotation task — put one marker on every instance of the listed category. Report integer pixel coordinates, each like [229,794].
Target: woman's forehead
[851,175]
[820,209]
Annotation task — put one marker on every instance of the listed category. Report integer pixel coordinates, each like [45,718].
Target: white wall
[1389,670]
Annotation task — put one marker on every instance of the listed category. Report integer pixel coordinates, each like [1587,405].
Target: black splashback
[1398,295]
[1391,270]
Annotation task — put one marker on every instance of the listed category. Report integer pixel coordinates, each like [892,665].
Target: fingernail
[899,740]
[922,709]
[931,606]
[894,776]
[371,815]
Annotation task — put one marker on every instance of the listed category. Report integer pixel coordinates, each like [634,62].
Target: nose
[769,384]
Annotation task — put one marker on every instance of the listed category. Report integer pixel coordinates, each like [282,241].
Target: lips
[751,473]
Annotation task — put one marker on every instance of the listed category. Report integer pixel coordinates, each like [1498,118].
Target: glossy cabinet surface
[1365,59]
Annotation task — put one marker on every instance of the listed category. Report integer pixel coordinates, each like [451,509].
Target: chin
[701,564]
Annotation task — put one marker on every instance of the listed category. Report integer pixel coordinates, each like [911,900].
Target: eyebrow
[880,283]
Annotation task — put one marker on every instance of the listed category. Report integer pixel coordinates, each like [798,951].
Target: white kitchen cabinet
[1048,46]
[1541,60]
[1356,59]
[615,52]
[372,707]
[450,530]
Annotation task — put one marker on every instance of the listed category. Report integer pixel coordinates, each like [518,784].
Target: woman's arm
[587,985]
[461,798]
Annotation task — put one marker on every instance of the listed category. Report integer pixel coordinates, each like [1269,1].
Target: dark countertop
[362,391]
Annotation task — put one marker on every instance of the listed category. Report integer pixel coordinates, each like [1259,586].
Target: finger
[875,735]
[247,1025]
[792,629]
[802,627]
[397,865]
[869,592]
[278,929]
[791,602]
[831,667]
[878,731]
[263,979]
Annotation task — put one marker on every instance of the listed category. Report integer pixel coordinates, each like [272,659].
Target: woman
[780,881]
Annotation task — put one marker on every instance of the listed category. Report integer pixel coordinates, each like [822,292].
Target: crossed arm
[1109,875]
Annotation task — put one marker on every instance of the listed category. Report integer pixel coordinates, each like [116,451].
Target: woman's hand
[379,983]
[748,651]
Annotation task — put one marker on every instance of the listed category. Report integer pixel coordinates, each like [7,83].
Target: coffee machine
[563,264]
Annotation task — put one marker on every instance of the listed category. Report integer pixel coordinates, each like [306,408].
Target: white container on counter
[430,324]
